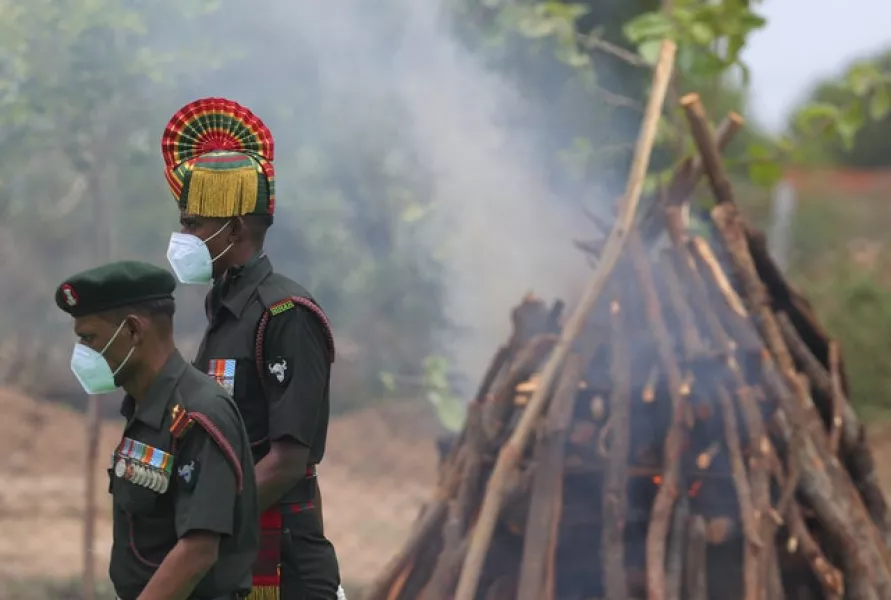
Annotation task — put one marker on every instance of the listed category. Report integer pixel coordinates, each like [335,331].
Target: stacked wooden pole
[684,434]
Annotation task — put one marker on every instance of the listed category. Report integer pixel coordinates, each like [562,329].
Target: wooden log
[727,220]
[500,403]
[774,589]
[753,578]
[540,541]
[730,225]
[427,526]
[788,300]
[677,545]
[758,560]
[836,423]
[503,588]
[615,497]
[682,187]
[417,575]
[692,342]
[828,498]
[696,570]
[663,505]
[501,358]
[732,228]
[856,453]
[685,179]
[461,509]
[760,449]
[830,578]
[512,450]
[94,425]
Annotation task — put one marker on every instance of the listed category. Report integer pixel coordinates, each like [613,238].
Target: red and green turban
[218,160]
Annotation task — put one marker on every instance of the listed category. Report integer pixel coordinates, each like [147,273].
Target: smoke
[497,226]
[508,232]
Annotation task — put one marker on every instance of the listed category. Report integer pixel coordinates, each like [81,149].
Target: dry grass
[379,470]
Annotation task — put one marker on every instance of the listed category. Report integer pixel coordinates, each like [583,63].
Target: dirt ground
[379,470]
[371,497]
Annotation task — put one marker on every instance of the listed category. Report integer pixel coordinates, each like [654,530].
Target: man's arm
[297,370]
[280,470]
[204,487]
[182,569]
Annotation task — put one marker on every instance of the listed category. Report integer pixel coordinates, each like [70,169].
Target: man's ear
[239,230]
[136,325]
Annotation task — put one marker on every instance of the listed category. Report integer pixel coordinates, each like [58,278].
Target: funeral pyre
[698,442]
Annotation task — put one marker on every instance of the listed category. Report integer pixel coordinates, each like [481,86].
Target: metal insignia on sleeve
[280,370]
[188,474]
[181,422]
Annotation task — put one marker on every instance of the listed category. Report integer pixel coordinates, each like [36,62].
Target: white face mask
[92,370]
[190,258]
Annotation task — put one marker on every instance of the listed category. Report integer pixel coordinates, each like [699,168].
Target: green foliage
[585,98]
[83,99]
[710,36]
[857,308]
[835,117]
[85,89]
[435,386]
[449,407]
[839,261]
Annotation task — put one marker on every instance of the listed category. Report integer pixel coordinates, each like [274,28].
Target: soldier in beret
[182,478]
[268,341]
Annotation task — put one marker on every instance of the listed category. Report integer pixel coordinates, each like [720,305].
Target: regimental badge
[280,370]
[143,465]
[188,474]
[223,370]
[70,296]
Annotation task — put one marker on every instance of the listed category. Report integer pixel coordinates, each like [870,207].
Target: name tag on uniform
[223,370]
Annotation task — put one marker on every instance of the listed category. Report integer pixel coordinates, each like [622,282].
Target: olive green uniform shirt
[286,394]
[210,483]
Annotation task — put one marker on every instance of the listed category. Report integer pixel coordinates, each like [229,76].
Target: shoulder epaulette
[284,305]
[281,306]
[181,422]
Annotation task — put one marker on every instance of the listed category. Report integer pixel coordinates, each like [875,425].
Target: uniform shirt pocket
[134,499]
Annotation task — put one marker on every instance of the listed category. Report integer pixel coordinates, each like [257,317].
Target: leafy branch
[867,89]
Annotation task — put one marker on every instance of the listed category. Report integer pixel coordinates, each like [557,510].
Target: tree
[86,92]
[862,93]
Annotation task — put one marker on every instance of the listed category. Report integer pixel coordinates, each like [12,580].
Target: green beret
[114,285]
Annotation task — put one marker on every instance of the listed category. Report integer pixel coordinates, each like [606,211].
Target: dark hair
[161,311]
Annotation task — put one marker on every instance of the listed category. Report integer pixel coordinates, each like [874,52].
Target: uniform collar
[154,408]
[240,283]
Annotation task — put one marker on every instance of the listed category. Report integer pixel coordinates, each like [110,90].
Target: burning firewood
[695,441]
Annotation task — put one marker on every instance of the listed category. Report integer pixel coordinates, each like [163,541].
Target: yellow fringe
[216,193]
[264,593]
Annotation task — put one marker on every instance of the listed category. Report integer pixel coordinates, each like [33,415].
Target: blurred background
[434,160]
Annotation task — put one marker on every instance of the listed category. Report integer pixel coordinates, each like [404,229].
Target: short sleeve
[205,481]
[296,370]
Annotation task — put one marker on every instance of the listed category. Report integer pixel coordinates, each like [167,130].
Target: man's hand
[280,470]
[182,568]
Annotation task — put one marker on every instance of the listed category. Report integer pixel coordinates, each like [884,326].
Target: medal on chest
[143,465]
[223,371]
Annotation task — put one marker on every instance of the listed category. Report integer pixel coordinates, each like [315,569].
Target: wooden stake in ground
[89,501]
[510,453]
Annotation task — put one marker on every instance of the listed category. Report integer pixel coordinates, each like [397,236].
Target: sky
[805,41]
